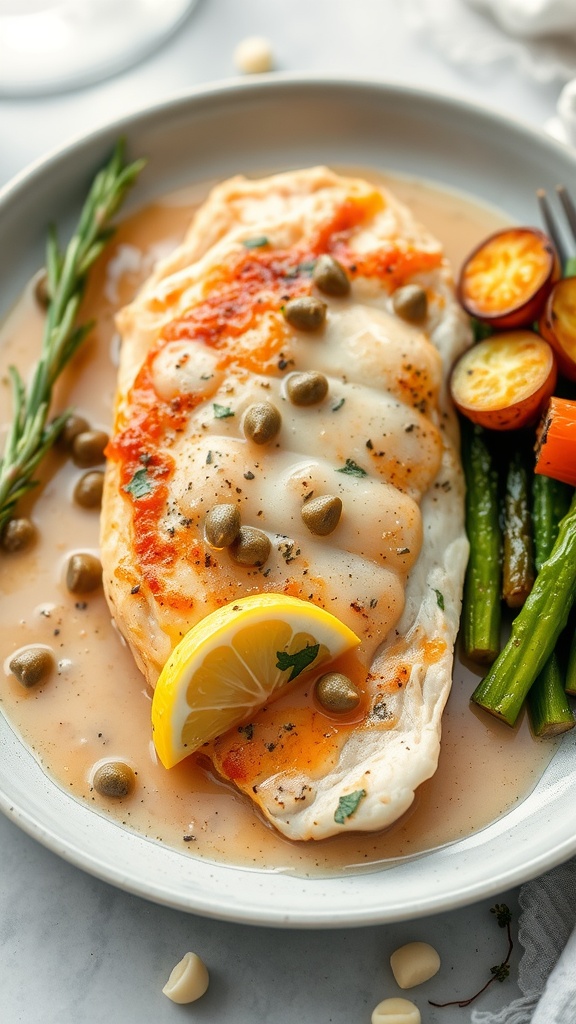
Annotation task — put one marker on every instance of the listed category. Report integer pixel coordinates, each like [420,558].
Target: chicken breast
[204,341]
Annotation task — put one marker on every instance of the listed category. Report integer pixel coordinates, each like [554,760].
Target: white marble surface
[74,950]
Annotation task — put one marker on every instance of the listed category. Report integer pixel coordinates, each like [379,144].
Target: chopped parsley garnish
[222,412]
[255,243]
[347,805]
[338,405]
[298,662]
[439,599]
[140,484]
[352,468]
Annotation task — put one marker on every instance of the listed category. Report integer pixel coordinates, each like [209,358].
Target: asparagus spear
[535,629]
[550,503]
[548,707]
[518,558]
[481,610]
[30,435]
[571,669]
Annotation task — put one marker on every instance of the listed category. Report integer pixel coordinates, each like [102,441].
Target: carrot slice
[556,442]
[558,324]
[504,382]
[506,280]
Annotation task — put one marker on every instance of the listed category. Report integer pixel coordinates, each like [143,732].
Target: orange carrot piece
[556,442]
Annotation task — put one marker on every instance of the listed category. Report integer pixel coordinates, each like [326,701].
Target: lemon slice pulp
[235,660]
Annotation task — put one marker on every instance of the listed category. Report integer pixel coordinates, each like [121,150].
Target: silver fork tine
[551,226]
[569,208]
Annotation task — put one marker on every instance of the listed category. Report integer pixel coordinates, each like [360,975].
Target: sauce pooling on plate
[95,706]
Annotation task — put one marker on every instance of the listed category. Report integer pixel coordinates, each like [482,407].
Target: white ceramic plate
[278,123]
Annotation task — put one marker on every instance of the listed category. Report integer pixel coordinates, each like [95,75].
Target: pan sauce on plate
[97,706]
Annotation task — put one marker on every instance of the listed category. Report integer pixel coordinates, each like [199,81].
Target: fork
[566,257]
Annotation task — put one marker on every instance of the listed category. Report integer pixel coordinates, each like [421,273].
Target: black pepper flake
[369,444]
[56,632]
[247,730]
[209,458]
[409,428]
[402,551]
[189,839]
[249,475]
[270,747]
[81,605]
[373,602]
[207,560]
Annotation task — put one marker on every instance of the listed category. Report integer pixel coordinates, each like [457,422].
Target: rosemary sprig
[30,436]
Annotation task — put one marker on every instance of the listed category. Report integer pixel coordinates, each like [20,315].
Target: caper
[88,448]
[335,692]
[88,490]
[41,293]
[330,277]
[73,426]
[410,303]
[18,534]
[84,573]
[307,388]
[222,525]
[33,665]
[321,515]
[114,779]
[305,313]
[251,547]
[262,422]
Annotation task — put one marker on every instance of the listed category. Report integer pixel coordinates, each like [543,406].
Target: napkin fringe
[520,1011]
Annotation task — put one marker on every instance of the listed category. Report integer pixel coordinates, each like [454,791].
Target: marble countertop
[74,950]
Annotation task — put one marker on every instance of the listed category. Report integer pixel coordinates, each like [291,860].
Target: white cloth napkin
[547,973]
[540,35]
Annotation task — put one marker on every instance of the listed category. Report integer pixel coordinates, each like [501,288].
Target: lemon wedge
[235,660]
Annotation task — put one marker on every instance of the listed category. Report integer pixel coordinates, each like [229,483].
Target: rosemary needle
[30,436]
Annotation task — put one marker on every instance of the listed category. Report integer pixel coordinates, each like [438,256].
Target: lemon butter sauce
[95,706]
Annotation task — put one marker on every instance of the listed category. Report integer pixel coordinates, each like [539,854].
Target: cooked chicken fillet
[205,339]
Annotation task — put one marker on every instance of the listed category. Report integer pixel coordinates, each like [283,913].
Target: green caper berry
[321,515]
[114,779]
[410,303]
[73,426]
[262,422]
[31,666]
[84,573]
[305,313]
[335,692]
[18,534]
[307,388]
[251,547]
[330,277]
[88,448]
[222,525]
[88,490]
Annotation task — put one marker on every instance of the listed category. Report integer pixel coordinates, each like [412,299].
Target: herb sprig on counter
[500,971]
[30,435]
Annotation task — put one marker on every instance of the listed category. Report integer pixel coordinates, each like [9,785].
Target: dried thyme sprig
[501,971]
[30,436]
